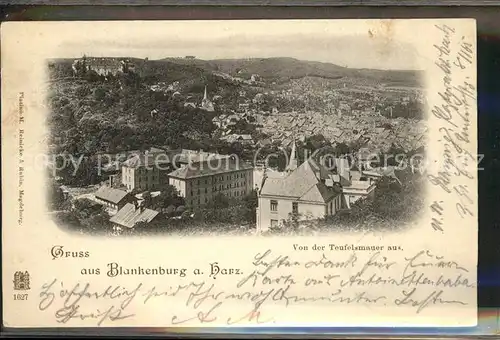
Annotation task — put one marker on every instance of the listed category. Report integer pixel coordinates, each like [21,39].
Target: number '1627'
[20,296]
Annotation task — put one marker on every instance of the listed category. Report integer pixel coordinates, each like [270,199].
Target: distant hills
[279,70]
[283,69]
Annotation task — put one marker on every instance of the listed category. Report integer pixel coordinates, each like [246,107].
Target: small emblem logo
[21,280]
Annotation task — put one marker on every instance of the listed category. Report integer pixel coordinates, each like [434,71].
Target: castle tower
[292,164]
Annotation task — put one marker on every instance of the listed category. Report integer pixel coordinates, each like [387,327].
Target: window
[206,181]
[295,207]
[274,223]
[198,182]
[206,190]
[274,205]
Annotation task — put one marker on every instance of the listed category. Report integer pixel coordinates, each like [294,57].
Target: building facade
[146,171]
[356,185]
[200,182]
[310,191]
[358,190]
[302,194]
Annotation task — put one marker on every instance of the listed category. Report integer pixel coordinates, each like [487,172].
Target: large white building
[303,194]
[310,191]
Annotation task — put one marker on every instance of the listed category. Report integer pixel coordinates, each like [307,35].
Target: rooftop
[129,215]
[110,194]
[146,160]
[209,168]
[303,184]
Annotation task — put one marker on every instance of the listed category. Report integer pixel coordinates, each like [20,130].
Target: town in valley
[188,146]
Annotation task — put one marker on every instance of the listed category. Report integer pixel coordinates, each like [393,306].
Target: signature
[113,313]
[435,297]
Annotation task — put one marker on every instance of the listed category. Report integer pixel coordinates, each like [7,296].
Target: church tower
[206,104]
[292,163]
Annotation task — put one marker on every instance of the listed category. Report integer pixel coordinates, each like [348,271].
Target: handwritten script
[457,99]
[422,281]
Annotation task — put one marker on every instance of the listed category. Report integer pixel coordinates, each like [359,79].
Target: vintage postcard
[239,173]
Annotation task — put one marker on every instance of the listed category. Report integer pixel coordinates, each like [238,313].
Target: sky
[350,43]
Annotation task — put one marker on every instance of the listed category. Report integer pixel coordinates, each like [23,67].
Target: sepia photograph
[243,134]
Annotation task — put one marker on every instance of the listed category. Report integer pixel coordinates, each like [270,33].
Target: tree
[98,223]
[168,197]
[147,199]
[99,93]
[250,202]
[342,149]
[219,201]
[55,197]
[251,199]
[84,208]
[68,220]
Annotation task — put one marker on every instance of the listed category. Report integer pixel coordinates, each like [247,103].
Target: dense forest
[92,113]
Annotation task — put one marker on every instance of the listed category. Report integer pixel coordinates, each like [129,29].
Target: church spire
[206,104]
[292,163]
